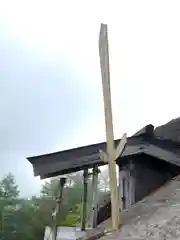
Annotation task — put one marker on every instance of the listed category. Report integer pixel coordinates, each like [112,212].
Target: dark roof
[76,159]
[170,131]
[147,131]
[68,161]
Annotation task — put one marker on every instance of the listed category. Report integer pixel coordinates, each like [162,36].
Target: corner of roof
[147,130]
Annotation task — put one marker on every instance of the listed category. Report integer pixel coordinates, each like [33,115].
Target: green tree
[8,187]
[72,196]
[8,203]
[27,218]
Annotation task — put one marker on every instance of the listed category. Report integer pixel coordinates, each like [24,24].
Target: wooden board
[104,62]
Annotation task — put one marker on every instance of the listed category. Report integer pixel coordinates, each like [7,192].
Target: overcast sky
[50,82]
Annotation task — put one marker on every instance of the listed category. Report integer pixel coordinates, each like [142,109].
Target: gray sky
[50,83]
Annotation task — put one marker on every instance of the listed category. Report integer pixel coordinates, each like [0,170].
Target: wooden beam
[56,213]
[105,73]
[121,146]
[94,195]
[118,151]
[84,204]
[103,156]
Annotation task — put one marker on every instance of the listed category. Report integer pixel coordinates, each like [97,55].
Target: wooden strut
[95,173]
[112,153]
[84,204]
[56,213]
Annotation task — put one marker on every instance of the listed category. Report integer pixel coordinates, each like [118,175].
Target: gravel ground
[155,217]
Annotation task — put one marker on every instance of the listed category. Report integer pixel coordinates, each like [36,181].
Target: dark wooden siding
[148,173]
[151,173]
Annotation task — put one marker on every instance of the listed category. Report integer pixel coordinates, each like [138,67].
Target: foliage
[8,187]
[26,218]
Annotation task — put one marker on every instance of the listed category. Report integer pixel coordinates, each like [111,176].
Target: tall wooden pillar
[56,213]
[132,183]
[84,204]
[94,195]
[127,186]
[112,154]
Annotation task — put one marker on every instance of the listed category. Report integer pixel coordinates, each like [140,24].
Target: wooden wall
[140,176]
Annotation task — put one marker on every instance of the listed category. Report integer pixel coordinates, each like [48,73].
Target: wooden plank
[94,234]
[103,156]
[105,73]
[84,204]
[57,207]
[121,146]
[94,195]
[118,150]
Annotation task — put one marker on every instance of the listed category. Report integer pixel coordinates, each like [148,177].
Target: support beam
[111,154]
[84,204]
[118,151]
[56,213]
[121,146]
[95,173]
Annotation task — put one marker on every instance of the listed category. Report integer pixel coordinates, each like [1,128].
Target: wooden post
[94,195]
[111,152]
[84,206]
[56,213]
